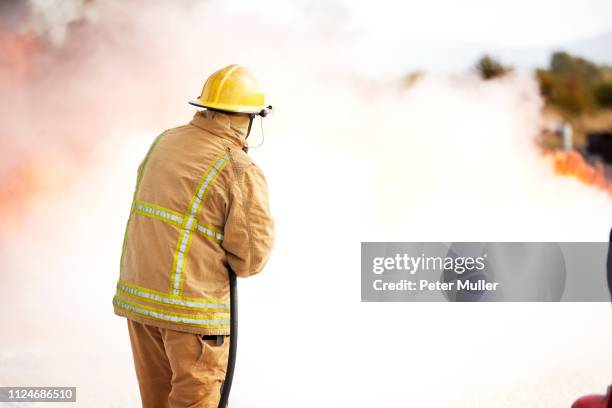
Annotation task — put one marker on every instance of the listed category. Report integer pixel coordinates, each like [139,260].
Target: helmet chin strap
[264,112]
[246,147]
[251,117]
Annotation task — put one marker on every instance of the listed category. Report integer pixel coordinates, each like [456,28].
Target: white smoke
[348,159]
[53,17]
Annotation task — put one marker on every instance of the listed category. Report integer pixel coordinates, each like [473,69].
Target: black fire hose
[231,358]
[609,267]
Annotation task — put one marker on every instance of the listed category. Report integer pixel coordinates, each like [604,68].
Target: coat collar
[231,127]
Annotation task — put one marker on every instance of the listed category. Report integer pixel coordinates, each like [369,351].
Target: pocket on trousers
[212,362]
[200,356]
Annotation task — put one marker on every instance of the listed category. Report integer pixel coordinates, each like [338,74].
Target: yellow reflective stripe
[190,223]
[173,217]
[211,178]
[141,168]
[209,232]
[207,320]
[212,228]
[157,212]
[170,300]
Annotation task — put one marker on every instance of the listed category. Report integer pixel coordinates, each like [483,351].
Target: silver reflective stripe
[170,318]
[207,231]
[180,259]
[158,212]
[168,300]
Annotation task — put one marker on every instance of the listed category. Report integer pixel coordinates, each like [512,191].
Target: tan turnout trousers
[177,369]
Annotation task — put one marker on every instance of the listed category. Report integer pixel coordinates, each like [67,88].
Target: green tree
[604,95]
[489,68]
[563,63]
[571,82]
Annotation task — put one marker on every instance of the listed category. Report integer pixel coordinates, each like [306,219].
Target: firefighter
[200,208]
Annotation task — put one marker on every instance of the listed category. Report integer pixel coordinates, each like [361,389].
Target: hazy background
[351,155]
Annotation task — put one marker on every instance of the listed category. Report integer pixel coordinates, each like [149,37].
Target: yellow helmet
[232,89]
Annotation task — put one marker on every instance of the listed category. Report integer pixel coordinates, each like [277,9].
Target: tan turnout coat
[200,205]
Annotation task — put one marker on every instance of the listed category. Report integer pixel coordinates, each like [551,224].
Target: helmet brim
[224,109]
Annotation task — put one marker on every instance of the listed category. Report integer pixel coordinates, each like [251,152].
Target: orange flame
[571,163]
[24,185]
[27,185]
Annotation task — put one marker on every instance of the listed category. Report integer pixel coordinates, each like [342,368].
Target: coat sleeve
[249,227]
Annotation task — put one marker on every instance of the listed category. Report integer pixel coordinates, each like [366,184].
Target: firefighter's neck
[237,123]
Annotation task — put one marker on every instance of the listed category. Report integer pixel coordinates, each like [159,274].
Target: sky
[444,36]
[521,23]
